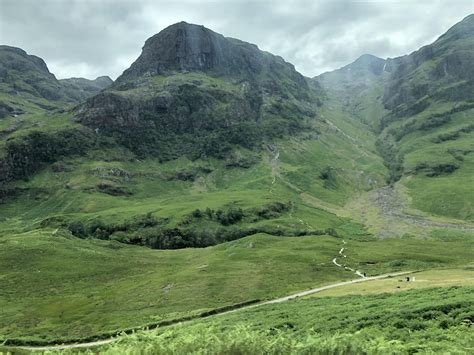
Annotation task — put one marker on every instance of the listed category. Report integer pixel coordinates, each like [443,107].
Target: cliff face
[185,47]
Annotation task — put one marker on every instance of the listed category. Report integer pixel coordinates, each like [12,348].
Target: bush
[26,155]
[441,169]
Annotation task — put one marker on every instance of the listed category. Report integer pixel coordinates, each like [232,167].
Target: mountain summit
[184,47]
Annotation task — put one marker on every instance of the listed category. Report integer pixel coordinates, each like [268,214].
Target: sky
[90,38]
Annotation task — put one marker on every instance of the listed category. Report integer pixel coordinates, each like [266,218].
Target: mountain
[80,89]
[439,71]
[419,106]
[27,73]
[192,82]
[27,85]
[184,47]
[25,82]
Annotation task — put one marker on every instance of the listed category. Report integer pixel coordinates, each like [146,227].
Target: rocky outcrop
[186,108]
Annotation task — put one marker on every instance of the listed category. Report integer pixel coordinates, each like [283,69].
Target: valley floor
[460,279]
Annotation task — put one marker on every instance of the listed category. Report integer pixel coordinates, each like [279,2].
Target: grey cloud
[92,37]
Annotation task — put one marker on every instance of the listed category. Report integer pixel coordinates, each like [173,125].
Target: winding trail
[276,300]
[341,253]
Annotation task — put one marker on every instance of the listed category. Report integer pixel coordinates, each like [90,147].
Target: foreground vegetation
[434,320]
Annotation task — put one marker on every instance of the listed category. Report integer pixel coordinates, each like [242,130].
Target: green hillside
[420,107]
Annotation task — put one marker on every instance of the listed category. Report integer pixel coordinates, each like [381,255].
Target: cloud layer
[88,38]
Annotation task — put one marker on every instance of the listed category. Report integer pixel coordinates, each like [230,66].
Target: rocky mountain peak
[185,47]
[369,62]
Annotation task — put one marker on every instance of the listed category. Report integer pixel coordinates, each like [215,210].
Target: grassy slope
[66,288]
[36,300]
[38,304]
[429,320]
[448,195]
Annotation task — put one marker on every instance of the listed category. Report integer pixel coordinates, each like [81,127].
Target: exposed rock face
[180,109]
[184,47]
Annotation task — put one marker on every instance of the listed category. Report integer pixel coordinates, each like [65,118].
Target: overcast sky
[88,38]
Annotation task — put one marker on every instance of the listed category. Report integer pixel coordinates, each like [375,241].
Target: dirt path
[276,300]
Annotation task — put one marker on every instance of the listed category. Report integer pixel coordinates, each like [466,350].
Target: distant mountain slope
[421,106]
[440,71]
[80,89]
[26,84]
[27,73]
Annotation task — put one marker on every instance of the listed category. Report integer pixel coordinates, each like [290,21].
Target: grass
[54,287]
[58,287]
[419,280]
[435,320]
[449,195]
